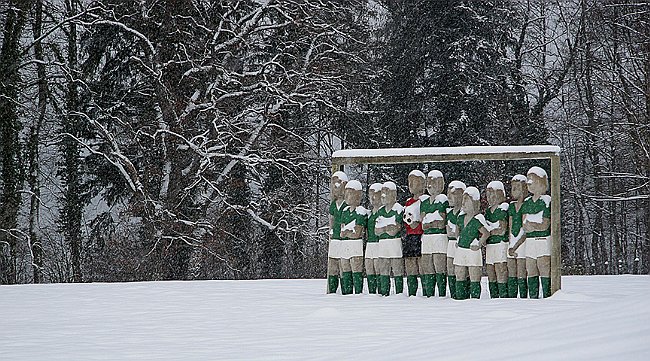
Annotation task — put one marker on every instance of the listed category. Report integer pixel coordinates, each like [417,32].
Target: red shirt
[418,229]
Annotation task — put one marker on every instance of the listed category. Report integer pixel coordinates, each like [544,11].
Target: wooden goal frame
[478,153]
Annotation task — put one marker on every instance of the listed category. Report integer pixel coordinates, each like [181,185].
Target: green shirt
[499,214]
[516,221]
[335,212]
[358,215]
[372,219]
[430,206]
[543,206]
[469,232]
[453,219]
[396,212]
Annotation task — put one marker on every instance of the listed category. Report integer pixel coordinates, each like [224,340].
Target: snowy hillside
[592,318]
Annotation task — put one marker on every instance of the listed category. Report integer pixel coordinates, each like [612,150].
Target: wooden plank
[465,150]
[425,158]
[556,239]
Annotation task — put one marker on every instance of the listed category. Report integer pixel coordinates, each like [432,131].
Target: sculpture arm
[530,226]
[358,232]
[501,230]
[393,229]
[485,234]
[439,223]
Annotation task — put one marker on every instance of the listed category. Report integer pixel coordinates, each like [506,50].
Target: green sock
[432,281]
[332,283]
[357,278]
[523,287]
[441,279]
[533,287]
[475,289]
[461,290]
[372,283]
[512,287]
[384,281]
[412,283]
[427,285]
[546,286]
[346,283]
[503,290]
[467,287]
[399,284]
[494,289]
[452,286]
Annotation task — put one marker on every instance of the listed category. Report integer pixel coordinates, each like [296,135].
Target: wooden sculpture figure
[473,234]
[372,245]
[433,211]
[354,219]
[536,215]
[337,192]
[517,250]
[497,244]
[412,244]
[387,228]
[455,198]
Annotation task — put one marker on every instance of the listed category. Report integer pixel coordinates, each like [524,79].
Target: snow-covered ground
[592,318]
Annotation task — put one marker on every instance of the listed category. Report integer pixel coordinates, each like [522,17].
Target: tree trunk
[33,148]
[9,129]
[72,207]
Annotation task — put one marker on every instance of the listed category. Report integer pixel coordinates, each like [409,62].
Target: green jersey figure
[354,219]
[337,192]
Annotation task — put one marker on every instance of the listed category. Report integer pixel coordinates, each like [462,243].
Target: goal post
[473,153]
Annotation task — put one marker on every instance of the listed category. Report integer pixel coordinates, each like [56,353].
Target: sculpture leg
[544,266]
[357,273]
[397,266]
[461,278]
[427,274]
[332,275]
[492,281]
[384,278]
[533,277]
[412,270]
[512,277]
[502,278]
[440,264]
[346,276]
[451,277]
[371,273]
[475,273]
[522,278]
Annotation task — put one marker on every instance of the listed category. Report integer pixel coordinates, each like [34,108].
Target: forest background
[191,139]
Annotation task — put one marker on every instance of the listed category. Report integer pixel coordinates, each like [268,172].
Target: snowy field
[592,318]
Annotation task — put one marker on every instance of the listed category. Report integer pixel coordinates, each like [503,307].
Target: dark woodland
[191,139]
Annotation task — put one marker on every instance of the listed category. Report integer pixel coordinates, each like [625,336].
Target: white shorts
[390,248]
[351,248]
[496,253]
[538,247]
[467,257]
[434,243]
[451,248]
[334,249]
[521,251]
[372,250]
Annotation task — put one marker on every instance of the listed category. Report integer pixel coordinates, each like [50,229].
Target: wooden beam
[556,239]
[397,159]
[442,154]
